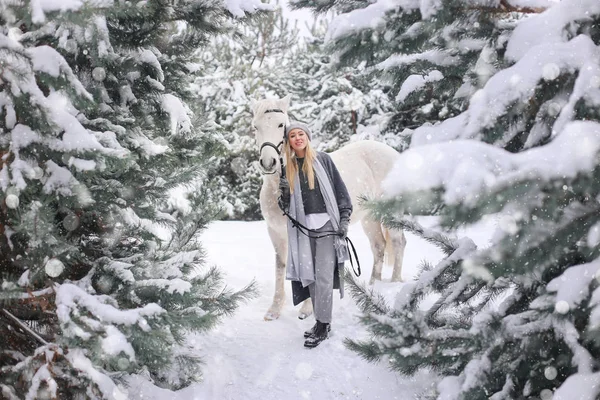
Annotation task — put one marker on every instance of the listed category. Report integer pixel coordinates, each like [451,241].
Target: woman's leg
[321,292]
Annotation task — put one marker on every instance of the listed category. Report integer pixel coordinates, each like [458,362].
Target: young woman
[313,193]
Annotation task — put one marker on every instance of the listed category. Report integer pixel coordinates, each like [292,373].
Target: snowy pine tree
[429,57]
[251,60]
[102,274]
[338,104]
[520,318]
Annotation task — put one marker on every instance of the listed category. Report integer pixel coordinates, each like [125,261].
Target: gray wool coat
[344,201]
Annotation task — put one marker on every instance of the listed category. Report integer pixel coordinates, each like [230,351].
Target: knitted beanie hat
[297,125]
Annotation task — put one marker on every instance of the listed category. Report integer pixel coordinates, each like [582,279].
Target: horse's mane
[264,105]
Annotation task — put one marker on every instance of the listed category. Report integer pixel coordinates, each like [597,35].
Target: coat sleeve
[339,187]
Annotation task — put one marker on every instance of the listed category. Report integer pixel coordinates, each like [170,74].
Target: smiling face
[298,140]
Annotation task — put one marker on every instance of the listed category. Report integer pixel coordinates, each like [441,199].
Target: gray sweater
[312,200]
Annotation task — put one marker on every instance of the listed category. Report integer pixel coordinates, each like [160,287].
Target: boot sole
[312,346]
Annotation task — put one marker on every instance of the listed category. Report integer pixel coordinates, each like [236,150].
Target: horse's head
[270,118]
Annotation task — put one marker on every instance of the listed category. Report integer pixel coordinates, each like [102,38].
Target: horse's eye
[280,125]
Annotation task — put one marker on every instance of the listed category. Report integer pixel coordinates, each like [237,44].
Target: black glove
[284,194]
[343,229]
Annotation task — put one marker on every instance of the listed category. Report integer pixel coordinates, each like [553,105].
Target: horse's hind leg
[280,259]
[373,231]
[398,244]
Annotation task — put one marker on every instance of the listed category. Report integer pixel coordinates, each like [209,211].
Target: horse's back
[363,166]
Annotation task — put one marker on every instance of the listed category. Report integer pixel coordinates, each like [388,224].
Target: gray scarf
[300,258]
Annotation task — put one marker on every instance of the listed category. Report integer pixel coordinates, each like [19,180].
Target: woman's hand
[343,229]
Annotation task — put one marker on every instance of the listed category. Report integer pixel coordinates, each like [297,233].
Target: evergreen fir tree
[336,102]
[252,60]
[429,56]
[520,318]
[266,57]
[102,275]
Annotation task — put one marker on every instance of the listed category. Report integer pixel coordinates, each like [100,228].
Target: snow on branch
[416,82]
[178,112]
[544,62]
[373,16]
[579,386]
[239,8]
[548,27]
[413,290]
[39,8]
[370,17]
[46,59]
[572,286]
[466,168]
[436,57]
[570,335]
[106,385]
[70,297]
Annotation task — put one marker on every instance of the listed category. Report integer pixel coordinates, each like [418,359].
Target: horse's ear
[253,105]
[284,103]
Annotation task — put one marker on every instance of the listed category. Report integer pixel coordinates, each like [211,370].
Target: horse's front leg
[279,297]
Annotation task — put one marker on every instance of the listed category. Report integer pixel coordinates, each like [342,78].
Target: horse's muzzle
[267,166]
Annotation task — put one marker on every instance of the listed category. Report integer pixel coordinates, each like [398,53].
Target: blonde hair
[291,168]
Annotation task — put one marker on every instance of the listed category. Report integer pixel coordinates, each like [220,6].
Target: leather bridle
[278,148]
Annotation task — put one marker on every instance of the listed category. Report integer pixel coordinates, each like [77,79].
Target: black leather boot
[311,331]
[321,333]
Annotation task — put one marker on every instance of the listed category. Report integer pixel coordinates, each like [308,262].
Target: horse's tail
[389,257]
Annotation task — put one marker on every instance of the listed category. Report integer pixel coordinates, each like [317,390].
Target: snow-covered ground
[249,358]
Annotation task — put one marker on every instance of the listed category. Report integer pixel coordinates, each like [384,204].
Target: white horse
[363,165]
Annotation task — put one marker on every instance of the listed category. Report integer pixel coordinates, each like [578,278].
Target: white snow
[370,17]
[22,136]
[149,148]
[435,57]
[446,131]
[549,27]
[116,342]
[82,165]
[252,359]
[515,84]
[239,8]
[41,375]
[465,168]
[572,286]
[491,102]
[129,217]
[59,179]
[595,304]
[169,285]
[68,294]
[40,7]
[46,59]
[148,57]
[179,114]
[121,270]
[105,384]
[580,387]
[416,82]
